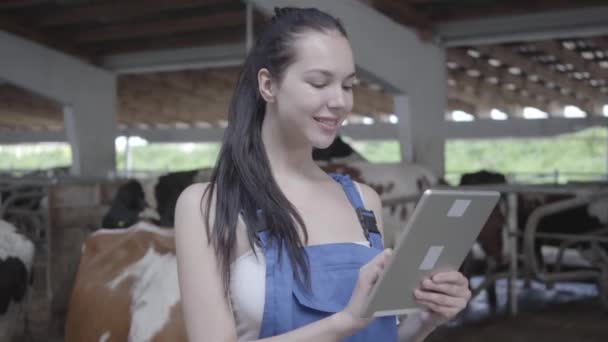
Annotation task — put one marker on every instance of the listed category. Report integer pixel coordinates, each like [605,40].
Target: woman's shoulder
[193,194]
[370,196]
[191,205]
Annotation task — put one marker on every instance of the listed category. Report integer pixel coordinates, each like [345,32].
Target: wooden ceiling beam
[600,42]
[20,4]
[455,103]
[370,101]
[9,116]
[23,30]
[204,89]
[19,103]
[486,96]
[482,104]
[578,93]
[141,113]
[220,36]
[130,115]
[32,111]
[161,99]
[209,84]
[502,78]
[480,9]
[556,49]
[406,15]
[115,10]
[160,27]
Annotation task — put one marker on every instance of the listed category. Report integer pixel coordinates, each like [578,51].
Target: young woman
[273,248]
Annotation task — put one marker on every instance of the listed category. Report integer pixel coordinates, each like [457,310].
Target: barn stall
[164,72]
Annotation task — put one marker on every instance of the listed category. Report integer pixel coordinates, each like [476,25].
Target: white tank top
[248,291]
[247,294]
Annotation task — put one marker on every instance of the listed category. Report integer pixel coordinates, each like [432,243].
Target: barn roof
[544,73]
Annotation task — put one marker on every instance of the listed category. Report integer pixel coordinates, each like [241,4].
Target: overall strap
[366,217]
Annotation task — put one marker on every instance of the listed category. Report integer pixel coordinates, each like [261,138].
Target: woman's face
[315,93]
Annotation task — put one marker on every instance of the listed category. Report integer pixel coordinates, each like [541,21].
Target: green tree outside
[577,156]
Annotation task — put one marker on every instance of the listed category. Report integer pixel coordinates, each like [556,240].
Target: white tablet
[438,236]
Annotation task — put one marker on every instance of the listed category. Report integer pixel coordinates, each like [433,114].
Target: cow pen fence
[554,177]
[71,207]
[583,194]
[57,214]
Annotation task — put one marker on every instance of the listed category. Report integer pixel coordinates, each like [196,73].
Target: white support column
[91,132]
[394,55]
[87,93]
[404,113]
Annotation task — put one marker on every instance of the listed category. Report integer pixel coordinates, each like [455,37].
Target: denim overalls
[334,270]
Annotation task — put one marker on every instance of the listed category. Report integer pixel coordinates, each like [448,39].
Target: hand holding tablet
[437,238]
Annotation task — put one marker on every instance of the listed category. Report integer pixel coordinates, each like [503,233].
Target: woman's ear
[266,85]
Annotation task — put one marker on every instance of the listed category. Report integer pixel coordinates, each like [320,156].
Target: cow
[127,204]
[389,180]
[126,288]
[578,220]
[16,263]
[170,186]
[161,193]
[490,238]
[581,219]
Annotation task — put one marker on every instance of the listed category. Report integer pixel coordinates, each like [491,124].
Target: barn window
[578,156]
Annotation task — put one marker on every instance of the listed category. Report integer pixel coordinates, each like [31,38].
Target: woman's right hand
[352,315]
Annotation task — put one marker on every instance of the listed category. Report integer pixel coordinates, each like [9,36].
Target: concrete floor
[569,312]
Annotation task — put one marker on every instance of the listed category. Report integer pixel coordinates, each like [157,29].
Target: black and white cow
[16,260]
[126,206]
[170,186]
[389,180]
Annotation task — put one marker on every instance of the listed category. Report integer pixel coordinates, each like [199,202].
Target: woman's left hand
[444,295]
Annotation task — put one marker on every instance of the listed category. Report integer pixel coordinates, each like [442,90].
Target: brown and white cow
[390,180]
[126,288]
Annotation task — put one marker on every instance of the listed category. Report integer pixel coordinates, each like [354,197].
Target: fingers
[371,272]
[380,260]
[443,311]
[450,289]
[440,299]
[445,294]
[451,277]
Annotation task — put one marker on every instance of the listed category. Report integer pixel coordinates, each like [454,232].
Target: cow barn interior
[85,72]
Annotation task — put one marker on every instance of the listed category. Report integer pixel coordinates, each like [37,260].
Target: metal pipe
[249,26]
[513,252]
[531,227]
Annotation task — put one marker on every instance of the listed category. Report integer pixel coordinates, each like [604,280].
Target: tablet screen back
[437,237]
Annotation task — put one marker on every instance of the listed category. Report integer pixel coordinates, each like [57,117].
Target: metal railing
[583,193]
[553,177]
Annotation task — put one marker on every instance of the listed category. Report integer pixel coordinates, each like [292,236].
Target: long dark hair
[242,178]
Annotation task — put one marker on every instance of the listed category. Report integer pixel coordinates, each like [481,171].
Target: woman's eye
[318,85]
[347,87]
